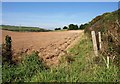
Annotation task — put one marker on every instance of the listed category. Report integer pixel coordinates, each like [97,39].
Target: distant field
[22,28]
[49,44]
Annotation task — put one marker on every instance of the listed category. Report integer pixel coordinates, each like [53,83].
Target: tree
[83,26]
[73,27]
[65,27]
[76,27]
[57,28]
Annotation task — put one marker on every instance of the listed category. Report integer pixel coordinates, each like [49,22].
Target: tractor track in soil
[49,45]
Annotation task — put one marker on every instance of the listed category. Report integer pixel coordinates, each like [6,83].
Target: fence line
[94,43]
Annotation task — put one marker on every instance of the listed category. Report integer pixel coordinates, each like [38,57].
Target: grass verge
[79,65]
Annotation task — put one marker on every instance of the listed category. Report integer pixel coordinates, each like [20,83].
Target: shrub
[6,50]
[22,72]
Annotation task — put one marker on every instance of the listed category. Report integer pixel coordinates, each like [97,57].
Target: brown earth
[49,45]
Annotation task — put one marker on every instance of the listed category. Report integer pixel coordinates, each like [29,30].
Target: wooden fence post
[108,59]
[99,35]
[94,43]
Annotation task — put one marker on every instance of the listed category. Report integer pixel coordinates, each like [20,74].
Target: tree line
[73,27]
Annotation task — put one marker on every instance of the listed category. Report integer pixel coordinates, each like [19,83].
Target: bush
[6,50]
[29,66]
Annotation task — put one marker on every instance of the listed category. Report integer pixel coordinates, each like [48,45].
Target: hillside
[109,25]
[23,28]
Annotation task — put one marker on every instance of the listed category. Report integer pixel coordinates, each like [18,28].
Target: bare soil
[49,45]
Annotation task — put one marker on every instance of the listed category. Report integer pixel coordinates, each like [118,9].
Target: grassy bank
[22,28]
[79,65]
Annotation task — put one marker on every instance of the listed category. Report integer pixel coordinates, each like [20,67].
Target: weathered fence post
[94,43]
[95,47]
[99,35]
[107,62]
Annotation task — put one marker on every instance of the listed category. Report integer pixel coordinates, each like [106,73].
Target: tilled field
[49,45]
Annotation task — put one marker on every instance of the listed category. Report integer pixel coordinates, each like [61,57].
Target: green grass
[82,69]
[22,71]
[78,66]
[22,28]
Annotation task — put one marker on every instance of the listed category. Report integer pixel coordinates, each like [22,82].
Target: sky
[51,15]
[60,0]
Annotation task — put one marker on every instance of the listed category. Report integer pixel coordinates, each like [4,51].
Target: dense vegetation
[73,27]
[83,26]
[57,28]
[23,71]
[22,28]
[109,25]
[65,27]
